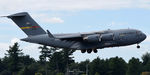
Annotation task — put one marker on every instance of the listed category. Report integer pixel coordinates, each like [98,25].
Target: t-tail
[27,24]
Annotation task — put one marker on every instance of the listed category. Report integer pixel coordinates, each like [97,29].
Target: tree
[74,65]
[26,60]
[59,74]
[45,52]
[5,64]
[100,66]
[1,65]
[5,72]
[67,56]
[31,69]
[134,67]
[56,62]
[146,68]
[146,58]
[25,71]
[146,62]
[84,65]
[13,54]
[60,59]
[97,73]
[117,66]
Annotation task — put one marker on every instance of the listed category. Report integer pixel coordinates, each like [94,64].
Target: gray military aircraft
[86,42]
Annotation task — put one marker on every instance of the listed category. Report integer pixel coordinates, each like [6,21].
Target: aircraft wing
[68,36]
[77,36]
[93,36]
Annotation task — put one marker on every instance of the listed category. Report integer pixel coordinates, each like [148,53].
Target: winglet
[49,34]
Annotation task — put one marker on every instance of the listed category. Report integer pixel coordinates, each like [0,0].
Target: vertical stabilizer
[27,24]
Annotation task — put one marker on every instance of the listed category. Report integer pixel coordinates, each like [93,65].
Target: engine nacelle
[92,38]
[99,38]
[107,37]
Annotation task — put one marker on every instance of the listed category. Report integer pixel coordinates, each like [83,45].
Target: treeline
[55,61]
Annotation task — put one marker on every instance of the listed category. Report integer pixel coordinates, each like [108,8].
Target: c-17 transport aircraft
[86,42]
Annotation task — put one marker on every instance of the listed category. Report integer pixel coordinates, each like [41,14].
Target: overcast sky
[68,16]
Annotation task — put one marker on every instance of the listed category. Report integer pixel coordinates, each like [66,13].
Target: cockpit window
[138,32]
[123,34]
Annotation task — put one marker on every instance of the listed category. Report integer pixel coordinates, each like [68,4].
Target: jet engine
[107,37]
[99,38]
[92,38]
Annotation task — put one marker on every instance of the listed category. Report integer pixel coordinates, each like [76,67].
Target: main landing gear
[83,51]
[89,51]
[138,46]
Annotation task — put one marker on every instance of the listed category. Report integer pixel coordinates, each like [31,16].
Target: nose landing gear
[138,46]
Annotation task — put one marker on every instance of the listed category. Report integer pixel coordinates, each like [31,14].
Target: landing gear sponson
[89,51]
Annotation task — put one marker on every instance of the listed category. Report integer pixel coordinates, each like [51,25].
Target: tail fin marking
[27,24]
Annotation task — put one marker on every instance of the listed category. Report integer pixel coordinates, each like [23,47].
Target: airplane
[86,42]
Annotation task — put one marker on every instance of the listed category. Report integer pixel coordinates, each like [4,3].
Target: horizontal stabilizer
[17,15]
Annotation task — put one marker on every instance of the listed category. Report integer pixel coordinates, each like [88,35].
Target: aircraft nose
[144,36]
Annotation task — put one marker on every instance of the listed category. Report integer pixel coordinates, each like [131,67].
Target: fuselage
[107,38]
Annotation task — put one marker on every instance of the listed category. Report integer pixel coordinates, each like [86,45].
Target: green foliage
[146,62]
[13,55]
[146,58]
[5,72]
[1,65]
[117,66]
[67,56]
[25,71]
[45,52]
[56,62]
[59,60]
[60,74]
[16,63]
[99,65]
[146,68]
[74,66]
[26,60]
[134,67]
[97,73]
[83,65]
